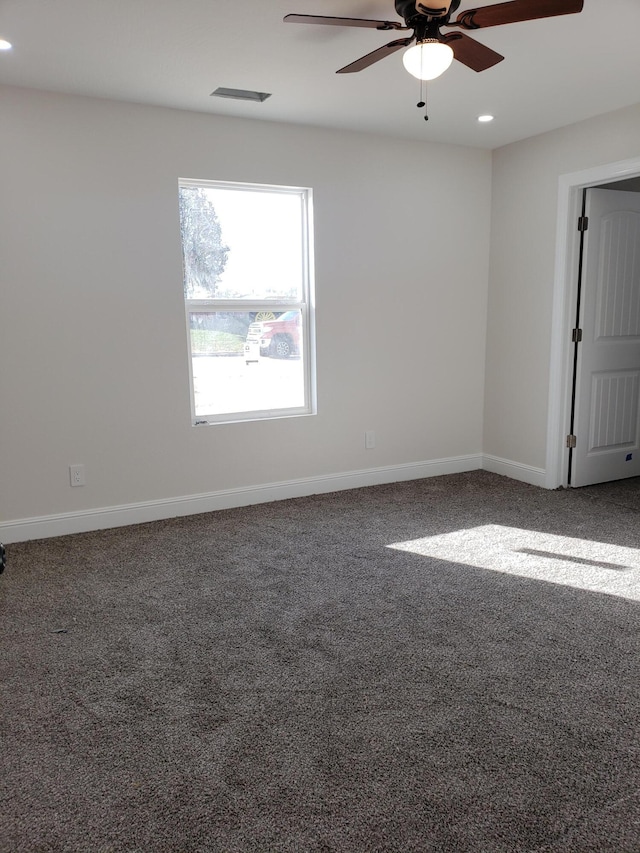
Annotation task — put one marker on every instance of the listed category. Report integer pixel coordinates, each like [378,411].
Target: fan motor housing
[434,11]
[408,9]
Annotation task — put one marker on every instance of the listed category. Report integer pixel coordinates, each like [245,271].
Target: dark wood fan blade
[375,56]
[515,11]
[471,53]
[344,22]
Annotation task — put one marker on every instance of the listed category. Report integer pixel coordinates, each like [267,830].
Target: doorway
[606,375]
[624,176]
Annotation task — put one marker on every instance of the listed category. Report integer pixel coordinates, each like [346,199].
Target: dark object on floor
[3,558]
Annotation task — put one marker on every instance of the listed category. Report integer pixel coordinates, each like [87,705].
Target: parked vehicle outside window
[278,338]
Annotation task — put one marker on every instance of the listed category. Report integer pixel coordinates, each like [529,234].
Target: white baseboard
[515,470]
[138,513]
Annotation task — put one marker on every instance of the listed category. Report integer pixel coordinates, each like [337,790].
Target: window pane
[248,297]
[246,361]
[241,243]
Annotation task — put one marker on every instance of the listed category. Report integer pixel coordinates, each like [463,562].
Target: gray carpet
[445,665]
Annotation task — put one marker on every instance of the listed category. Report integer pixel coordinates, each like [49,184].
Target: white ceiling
[176,52]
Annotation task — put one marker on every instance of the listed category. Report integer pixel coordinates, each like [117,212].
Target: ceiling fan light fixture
[428,59]
[5,45]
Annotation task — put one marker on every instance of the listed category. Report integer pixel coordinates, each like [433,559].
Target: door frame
[565,295]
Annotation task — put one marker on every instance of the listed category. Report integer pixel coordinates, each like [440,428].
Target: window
[248,300]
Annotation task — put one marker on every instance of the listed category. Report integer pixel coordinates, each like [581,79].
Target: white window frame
[306,306]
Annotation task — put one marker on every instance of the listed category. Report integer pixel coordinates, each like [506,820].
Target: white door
[607,405]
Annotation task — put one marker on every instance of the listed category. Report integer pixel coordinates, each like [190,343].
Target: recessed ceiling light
[5,45]
[485,118]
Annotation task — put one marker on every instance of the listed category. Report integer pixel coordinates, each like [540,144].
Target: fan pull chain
[423,98]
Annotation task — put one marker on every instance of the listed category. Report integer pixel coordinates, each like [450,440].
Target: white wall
[92,343]
[523,245]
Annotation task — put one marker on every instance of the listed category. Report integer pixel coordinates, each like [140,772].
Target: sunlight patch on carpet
[581,563]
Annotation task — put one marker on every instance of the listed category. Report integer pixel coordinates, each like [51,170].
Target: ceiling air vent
[240,94]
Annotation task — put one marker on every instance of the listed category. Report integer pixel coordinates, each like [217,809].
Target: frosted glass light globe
[428,59]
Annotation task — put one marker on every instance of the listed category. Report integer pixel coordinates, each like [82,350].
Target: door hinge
[571,441]
[583,223]
[576,336]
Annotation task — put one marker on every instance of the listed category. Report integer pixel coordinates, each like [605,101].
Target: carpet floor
[447,665]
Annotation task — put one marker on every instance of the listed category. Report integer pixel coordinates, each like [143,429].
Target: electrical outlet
[76,475]
[369,439]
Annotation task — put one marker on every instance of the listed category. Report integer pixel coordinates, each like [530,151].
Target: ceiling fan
[434,51]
